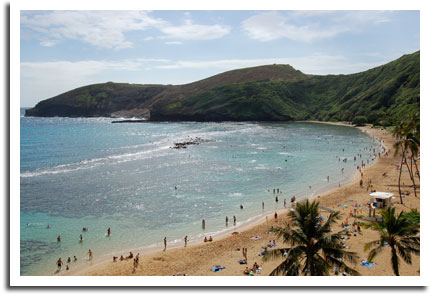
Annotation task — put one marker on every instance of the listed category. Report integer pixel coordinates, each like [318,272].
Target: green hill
[268,93]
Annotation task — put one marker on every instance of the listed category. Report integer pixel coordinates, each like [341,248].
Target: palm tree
[407,133]
[399,233]
[314,251]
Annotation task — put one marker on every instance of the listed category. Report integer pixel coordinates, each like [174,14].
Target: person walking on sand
[185,241]
[137,259]
[165,243]
[90,254]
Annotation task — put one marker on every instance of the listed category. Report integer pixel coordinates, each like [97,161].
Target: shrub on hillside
[359,120]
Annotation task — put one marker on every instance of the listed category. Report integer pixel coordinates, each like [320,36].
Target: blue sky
[62,50]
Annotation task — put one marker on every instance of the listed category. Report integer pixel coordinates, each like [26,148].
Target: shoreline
[108,267]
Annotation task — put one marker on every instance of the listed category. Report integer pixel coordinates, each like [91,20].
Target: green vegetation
[413,216]
[314,251]
[359,120]
[400,234]
[383,95]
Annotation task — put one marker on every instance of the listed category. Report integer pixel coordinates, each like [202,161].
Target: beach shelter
[383,199]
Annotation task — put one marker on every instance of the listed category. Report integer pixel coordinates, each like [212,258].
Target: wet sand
[197,259]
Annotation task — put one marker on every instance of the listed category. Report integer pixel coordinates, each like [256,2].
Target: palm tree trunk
[416,167]
[394,261]
[411,175]
[400,176]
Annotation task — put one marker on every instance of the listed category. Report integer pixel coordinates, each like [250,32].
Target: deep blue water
[88,172]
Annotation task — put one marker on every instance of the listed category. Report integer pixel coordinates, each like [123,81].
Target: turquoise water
[87,172]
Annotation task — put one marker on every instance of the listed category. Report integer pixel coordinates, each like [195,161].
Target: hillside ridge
[265,93]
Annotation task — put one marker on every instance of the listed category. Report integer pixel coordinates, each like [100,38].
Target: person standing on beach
[108,231]
[276,216]
[90,254]
[165,244]
[81,239]
[185,241]
[58,238]
[285,202]
[59,263]
[234,220]
[226,220]
[203,224]
[276,199]
[262,205]
[328,178]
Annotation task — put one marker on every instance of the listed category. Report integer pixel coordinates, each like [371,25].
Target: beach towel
[367,264]
[217,268]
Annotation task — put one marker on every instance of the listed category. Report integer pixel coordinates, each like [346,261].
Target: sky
[65,49]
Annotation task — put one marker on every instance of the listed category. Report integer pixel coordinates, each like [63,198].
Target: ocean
[88,172]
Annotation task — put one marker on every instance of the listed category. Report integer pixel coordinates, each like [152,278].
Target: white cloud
[190,31]
[173,42]
[107,29]
[48,43]
[308,26]
[103,29]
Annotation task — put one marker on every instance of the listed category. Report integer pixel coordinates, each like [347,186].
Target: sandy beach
[197,259]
